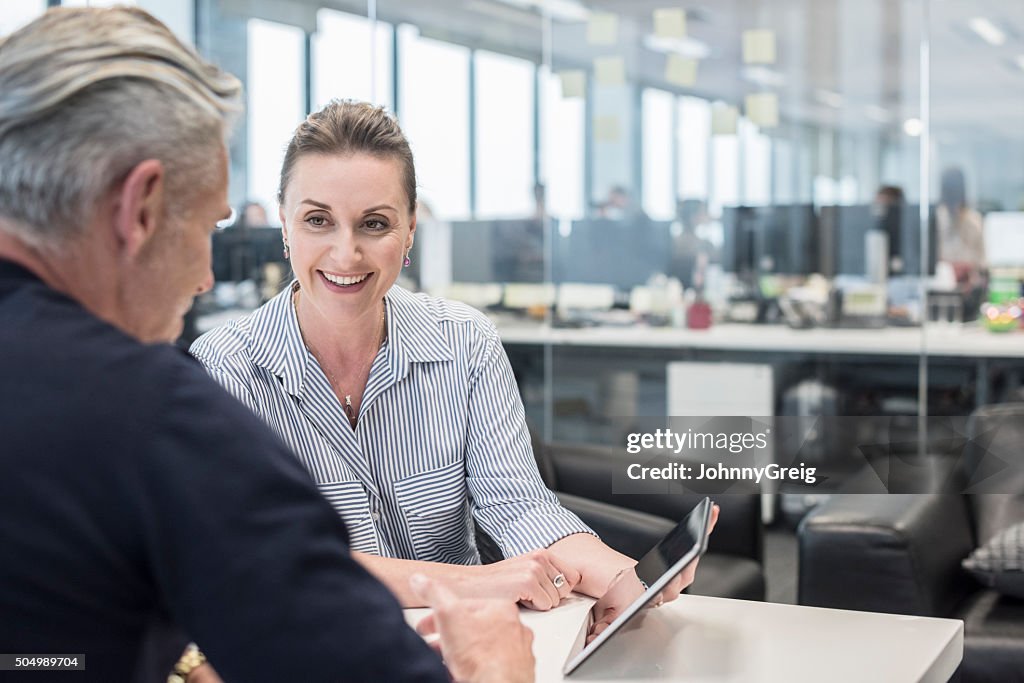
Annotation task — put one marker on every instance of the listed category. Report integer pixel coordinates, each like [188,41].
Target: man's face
[176,266]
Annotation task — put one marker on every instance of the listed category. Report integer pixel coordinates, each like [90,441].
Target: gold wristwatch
[190,660]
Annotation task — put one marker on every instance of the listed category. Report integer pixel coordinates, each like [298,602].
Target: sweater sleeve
[250,559]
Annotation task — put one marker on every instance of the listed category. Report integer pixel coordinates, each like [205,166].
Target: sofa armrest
[630,532]
[886,553]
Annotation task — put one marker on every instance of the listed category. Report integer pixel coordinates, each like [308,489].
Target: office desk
[955,342]
[936,340]
[714,640]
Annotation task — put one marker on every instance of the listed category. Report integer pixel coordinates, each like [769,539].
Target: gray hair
[86,94]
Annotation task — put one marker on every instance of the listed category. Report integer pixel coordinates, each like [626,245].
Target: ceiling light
[876,113]
[563,10]
[762,75]
[685,47]
[828,97]
[913,127]
[988,31]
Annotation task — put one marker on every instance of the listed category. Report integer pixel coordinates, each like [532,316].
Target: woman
[402,407]
[961,234]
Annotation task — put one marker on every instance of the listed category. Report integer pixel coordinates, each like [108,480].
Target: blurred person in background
[961,238]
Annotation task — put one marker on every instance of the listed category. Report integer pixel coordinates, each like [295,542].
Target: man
[140,505]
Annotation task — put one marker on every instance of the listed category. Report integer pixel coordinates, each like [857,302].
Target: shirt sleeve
[510,501]
[251,560]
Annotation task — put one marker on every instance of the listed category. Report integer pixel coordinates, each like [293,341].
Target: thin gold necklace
[350,411]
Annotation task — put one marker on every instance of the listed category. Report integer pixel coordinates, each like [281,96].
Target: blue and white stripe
[441,432]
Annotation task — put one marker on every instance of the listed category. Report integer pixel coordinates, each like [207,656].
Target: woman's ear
[412,232]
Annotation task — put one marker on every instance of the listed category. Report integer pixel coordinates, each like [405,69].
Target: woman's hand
[537,580]
[626,588]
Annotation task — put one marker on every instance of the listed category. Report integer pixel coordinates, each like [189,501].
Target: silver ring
[559,581]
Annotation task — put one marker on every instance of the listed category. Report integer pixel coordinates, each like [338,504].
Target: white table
[715,640]
[958,341]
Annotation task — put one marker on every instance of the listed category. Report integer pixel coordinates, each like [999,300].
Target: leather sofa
[902,554]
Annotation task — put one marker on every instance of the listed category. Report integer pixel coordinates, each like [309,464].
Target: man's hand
[481,641]
[626,587]
[204,673]
[531,579]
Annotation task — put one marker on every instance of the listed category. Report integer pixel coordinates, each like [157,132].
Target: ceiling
[853,64]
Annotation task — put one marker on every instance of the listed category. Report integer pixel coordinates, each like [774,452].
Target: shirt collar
[413,337]
[414,329]
[277,342]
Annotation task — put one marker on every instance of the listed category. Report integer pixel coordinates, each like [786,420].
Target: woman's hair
[87,94]
[349,127]
[953,189]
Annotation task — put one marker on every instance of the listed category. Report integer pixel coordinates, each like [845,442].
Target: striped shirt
[441,433]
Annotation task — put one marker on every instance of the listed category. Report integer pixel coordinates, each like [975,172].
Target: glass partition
[640,195]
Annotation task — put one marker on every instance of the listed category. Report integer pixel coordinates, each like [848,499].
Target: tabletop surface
[703,640]
[938,340]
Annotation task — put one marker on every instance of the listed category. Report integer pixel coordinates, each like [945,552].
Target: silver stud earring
[285,251]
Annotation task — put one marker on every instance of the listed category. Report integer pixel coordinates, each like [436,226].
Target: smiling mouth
[343,280]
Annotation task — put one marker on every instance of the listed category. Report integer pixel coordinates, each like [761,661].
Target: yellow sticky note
[759,46]
[670,22]
[763,109]
[723,119]
[610,70]
[574,83]
[606,128]
[681,70]
[603,28]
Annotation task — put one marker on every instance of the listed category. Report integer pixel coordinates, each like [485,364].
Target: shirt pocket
[436,509]
[348,498]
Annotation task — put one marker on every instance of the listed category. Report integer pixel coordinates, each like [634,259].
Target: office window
[694,136]
[14,15]
[562,148]
[784,172]
[659,201]
[351,60]
[757,165]
[725,178]
[433,104]
[274,105]
[504,136]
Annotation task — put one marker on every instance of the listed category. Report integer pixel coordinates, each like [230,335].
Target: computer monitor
[780,239]
[739,240]
[842,234]
[503,250]
[620,253]
[910,239]
[789,244]
[239,253]
[844,229]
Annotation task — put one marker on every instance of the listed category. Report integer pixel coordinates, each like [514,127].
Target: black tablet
[672,554]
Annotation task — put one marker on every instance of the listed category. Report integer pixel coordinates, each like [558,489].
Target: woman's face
[347,223]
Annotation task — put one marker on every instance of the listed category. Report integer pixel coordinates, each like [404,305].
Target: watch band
[190,660]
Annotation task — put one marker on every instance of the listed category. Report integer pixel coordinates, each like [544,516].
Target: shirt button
[375,516]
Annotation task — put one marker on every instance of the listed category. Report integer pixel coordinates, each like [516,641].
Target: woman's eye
[317,221]
[375,224]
